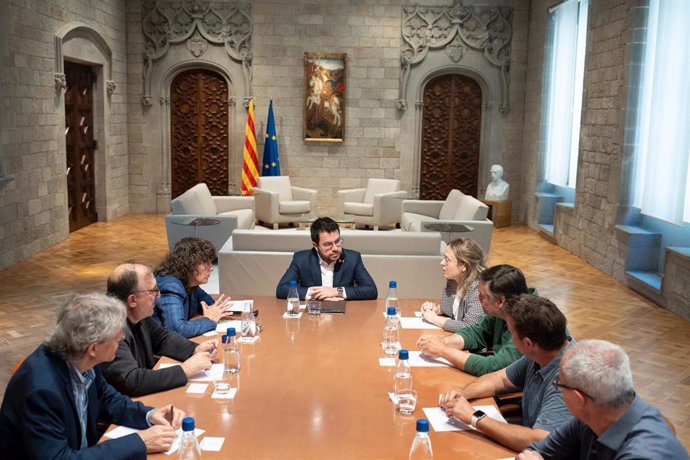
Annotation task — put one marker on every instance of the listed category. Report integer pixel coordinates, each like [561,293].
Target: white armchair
[378,204]
[457,208]
[278,202]
[197,213]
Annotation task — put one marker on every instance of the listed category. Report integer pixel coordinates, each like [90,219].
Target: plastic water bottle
[392,299]
[293,299]
[421,445]
[231,353]
[391,333]
[189,446]
[403,373]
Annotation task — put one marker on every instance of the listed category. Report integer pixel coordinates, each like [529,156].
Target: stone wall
[33,204]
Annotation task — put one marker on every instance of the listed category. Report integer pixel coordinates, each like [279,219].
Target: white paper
[385,314]
[391,394]
[408,322]
[215,372]
[387,362]
[120,431]
[197,388]
[178,437]
[210,334]
[228,395]
[299,315]
[164,365]
[224,325]
[418,314]
[248,339]
[240,306]
[211,444]
[441,422]
[417,359]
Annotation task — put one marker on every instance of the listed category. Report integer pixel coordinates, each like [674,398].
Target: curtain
[662,189]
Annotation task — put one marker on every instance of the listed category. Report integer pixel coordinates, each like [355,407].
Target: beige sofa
[197,213]
[253,261]
[457,208]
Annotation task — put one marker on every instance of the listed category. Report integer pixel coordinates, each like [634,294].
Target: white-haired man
[57,395]
[611,421]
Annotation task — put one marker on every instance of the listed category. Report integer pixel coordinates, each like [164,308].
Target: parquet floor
[596,306]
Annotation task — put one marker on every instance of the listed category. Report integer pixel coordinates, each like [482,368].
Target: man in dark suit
[327,271]
[132,371]
[57,395]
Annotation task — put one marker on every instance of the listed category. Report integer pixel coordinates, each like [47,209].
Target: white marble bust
[498,188]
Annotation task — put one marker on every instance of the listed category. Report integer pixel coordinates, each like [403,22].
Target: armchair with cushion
[278,202]
[457,208]
[377,205]
[196,213]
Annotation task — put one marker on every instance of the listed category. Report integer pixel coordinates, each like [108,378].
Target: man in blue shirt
[610,421]
[57,395]
[538,329]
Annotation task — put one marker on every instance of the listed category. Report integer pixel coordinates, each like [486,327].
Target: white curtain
[564,106]
[662,188]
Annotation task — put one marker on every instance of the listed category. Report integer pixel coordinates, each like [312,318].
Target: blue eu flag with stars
[271,164]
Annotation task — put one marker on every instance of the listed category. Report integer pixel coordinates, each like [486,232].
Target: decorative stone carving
[110,87]
[60,82]
[146,101]
[173,22]
[457,29]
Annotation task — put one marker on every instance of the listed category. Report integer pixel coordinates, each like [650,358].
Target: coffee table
[194,221]
[448,228]
[345,221]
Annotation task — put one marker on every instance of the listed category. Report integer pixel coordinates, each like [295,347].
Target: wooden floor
[596,305]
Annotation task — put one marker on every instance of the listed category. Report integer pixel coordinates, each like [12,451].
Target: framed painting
[324,100]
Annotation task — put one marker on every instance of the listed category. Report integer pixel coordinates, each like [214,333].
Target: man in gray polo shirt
[610,421]
[539,332]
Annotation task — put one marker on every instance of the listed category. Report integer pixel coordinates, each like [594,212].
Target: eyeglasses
[155,292]
[329,245]
[557,384]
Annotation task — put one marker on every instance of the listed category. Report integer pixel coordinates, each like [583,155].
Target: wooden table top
[312,388]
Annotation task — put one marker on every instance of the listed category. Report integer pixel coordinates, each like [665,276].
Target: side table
[499,212]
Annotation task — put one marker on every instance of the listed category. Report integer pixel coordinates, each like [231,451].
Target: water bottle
[403,373]
[392,299]
[293,299]
[248,324]
[189,446]
[421,445]
[231,353]
[391,333]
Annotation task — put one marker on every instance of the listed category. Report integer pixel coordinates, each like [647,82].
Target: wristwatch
[341,291]
[476,417]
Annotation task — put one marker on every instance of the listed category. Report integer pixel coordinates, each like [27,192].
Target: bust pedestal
[499,212]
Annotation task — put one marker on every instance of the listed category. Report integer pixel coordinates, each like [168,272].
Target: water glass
[221,383]
[407,401]
[314,307]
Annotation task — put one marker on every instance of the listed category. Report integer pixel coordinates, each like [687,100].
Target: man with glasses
[538,329]
[610,421]
[55,399]
[327,271]
[132,371]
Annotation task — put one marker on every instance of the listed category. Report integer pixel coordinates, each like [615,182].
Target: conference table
[313,388]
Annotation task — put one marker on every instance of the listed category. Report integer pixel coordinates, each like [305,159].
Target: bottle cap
[422,425]
[391,311]
[224,339]
[188,424]
[292,283]
[392,284]
[231,332]
[403,354]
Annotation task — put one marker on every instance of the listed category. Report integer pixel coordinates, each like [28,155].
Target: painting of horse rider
[324,104]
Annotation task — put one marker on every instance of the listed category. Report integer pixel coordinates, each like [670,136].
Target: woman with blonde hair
[462,263]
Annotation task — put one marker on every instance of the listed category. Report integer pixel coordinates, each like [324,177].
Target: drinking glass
[314,307]
[407,401]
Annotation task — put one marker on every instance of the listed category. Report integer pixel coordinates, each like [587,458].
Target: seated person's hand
[323,293]
[432,317]
[447,400]
[218,310]
[196,363]
[167,416]
[430,306]
[158,438]
[461,409]
[210,347]
[529,455]
[431,345]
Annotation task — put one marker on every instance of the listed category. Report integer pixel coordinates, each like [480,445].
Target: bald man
[132,371]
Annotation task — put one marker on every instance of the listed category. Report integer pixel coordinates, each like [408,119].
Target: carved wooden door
[79,142]
[199,130]
[451,129]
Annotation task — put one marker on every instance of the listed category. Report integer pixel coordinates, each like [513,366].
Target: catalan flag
[271,164]
[250,164]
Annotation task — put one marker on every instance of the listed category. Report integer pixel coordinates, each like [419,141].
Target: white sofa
[377,205]
[279,202]
[253,261]
[195,212]
[457,208]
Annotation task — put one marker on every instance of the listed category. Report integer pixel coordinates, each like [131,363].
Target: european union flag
[271,164]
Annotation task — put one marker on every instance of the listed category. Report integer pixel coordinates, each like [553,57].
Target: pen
[171,415]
